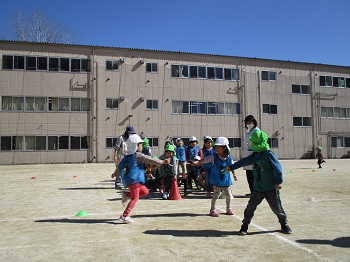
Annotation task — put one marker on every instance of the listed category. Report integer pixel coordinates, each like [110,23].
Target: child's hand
[228,169]
[279,187]
[234,177]
[166,161]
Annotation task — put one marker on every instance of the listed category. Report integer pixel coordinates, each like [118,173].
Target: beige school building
[68,103]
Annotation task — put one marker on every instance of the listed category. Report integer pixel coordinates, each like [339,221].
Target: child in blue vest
[268,181]
[133,175]
[220,178]
[192,151]
[208,150]
[181,156]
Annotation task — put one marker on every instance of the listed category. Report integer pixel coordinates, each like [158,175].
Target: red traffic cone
[174,191]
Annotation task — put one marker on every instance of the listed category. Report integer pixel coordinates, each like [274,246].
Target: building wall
[132,83]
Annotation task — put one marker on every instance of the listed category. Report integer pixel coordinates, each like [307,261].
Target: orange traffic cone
[174,191]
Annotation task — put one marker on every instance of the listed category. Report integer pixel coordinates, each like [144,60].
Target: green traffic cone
[81,214]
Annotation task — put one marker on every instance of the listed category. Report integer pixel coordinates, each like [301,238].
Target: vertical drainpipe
[92,109]
[97,118]
[314,116]
[259,100]
[244,105]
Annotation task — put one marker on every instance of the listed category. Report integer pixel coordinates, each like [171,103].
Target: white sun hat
[132,144]
[192,139]
[222,141]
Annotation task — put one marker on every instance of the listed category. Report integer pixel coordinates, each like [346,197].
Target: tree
[40,28]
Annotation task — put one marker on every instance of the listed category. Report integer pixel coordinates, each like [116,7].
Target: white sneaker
[125,220]
[124,198]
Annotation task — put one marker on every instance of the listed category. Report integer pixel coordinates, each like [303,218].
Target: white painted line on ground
[284,239]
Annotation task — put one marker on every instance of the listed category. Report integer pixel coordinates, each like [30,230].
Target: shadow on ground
[337,242]
[200,233]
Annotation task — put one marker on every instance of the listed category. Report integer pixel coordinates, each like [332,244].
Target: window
[202,72]
[215,73]
[52,103]
[179,71]
[180,107]
[151,67]
[339,81]
[75,142]
[40,143]
[268,75]
[347,82]
[41,63]
[18,62]
[6,103]
[85,65]
[232,109]
[235,142]
[30,63]
[301,121]
[231,74]
[270,109]
[198,107]
[17,103]
[215,108]
[7,62]
[193,71]
[210,73]
[273,142]
[347,141]
[326,81]
[109,142]
[152,104]
[75,104]
[5,143]
[29,143]
[53,64]
[17,143]
[75,65]
[301,89]
[85,104]
[337,142]
[52,142]
[112,64]
[64,64]
[63,104]
[153,141]
[63,142]
[112,103]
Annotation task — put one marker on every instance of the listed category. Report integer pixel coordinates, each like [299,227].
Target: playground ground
[38,222]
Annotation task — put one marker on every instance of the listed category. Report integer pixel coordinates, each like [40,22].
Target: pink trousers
[136,190]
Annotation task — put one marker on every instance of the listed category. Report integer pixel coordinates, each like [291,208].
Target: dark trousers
[250,179]
[273,198]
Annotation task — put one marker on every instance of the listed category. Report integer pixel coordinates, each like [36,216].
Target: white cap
[178,139]
[207,137]
[193,138]
[222,141]
[131,144]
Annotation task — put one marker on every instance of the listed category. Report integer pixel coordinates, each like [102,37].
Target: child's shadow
[201,233]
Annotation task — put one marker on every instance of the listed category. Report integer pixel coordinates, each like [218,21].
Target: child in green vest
[268,179]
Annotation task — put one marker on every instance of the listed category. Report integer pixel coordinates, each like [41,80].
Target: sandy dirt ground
[38,222]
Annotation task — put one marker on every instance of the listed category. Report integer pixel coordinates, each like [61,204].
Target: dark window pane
[41,63]
[347,83]
[322,81]
[175,70]
[149,104]
[235,74]
[75,142]
[237,142]
[228,73]
[306,121]
[328,81]
[40,143]
[201,72]
[64,64]
[335,81]
[296,89]
[18,62]
[109,65]
[297,121]
[185,107]
[266,108]
[7,62]
[264,75]
[305,89]
[347,141]
[75,65]
[148,67]
[115,103]
[184,70]
[210,73]
[63,142]
[5,143]
[53,64]
[155,104]
[30,63]
[273,109]
[84,142]
[193,72]
[154,67]
[219,73]
[109,142]
[52,143]
[85,65]
[272,76]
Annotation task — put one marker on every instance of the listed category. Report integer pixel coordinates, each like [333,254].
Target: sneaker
[229,211]
[125,220]
[286,229]
[244,229]
[213,213]
[165,195]
[124,198]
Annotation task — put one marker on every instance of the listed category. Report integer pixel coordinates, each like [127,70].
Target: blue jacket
[216,177]
[131,171]
[267,170]
[181,153]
